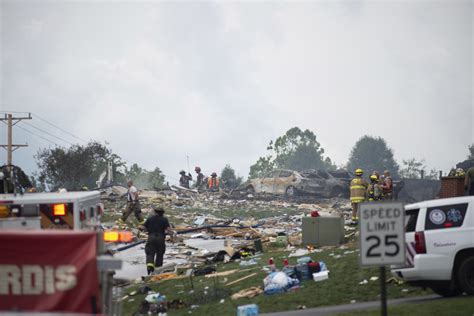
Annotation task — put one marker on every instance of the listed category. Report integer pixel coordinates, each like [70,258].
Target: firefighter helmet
[359,172]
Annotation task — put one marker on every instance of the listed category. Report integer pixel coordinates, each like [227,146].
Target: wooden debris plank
[242,278]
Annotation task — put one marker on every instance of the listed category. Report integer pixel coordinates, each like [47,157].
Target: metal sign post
[383,292]
[382,239]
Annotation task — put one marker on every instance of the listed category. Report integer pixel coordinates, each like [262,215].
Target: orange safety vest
[358,189]
[213,182]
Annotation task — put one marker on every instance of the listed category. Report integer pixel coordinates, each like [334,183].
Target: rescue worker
[469,181]
[376,173]
[374,191]
[199,177]
[387,186]
[184,179]
[213,182]
[460,173]
[157,227]
[358,191]
[133,204]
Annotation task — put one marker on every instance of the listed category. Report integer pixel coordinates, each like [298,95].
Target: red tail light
[420,245]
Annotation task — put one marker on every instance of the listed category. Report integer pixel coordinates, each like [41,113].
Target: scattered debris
[248,293]
[278,282]
[241,279]
[214,227]
[321,276]
[248,310]
[163,276]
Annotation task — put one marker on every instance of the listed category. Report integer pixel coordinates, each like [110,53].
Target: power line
[49,141]
[61,129]
[16,112]
[57,137]
[46,132]
[50,123]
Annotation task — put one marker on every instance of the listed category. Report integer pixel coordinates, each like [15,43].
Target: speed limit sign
[382,233]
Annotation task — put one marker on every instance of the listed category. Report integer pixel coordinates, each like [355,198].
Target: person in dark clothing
[199,178]
[157,227]
[184,179]
[13,180]
[469,181]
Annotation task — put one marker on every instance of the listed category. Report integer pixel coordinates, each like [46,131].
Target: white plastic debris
[321,276]
[299,253]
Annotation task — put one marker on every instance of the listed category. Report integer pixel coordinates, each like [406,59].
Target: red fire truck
[53,257]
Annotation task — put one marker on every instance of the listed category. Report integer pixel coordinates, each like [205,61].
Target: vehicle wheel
[290,191]
[465,275]
[250,190]
[446,290]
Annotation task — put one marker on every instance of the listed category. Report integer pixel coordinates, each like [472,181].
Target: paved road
[331,310]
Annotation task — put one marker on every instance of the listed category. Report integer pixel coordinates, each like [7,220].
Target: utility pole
[10,147]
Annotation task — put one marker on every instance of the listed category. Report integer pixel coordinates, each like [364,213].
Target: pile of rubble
[212,216]
[216,227]
[185,205]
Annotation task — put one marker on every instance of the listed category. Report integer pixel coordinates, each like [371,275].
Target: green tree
[372,153]
[296,150]
[471,152]
[156,178]
[73,167]
[135,172]
[78,166]
[229,179]
[145,179]
[261,167]
[413,169]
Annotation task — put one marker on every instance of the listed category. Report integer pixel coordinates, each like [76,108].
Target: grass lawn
[175,215]
[341,288]
[453,306]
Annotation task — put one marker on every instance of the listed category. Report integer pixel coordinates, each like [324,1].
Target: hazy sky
[217,80]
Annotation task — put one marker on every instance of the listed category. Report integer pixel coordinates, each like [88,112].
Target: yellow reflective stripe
[150,265]
[357,199]
[358,187]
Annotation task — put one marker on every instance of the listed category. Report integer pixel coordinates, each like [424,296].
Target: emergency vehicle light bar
[117,236]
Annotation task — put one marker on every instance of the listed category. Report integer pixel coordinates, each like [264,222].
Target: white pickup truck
[440,246]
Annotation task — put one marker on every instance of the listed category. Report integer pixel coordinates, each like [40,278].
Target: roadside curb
[331,310]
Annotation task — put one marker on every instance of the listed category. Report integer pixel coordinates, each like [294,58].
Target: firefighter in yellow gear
[374,191]
[358,190]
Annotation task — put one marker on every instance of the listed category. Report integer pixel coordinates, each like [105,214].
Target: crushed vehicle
[291,183]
